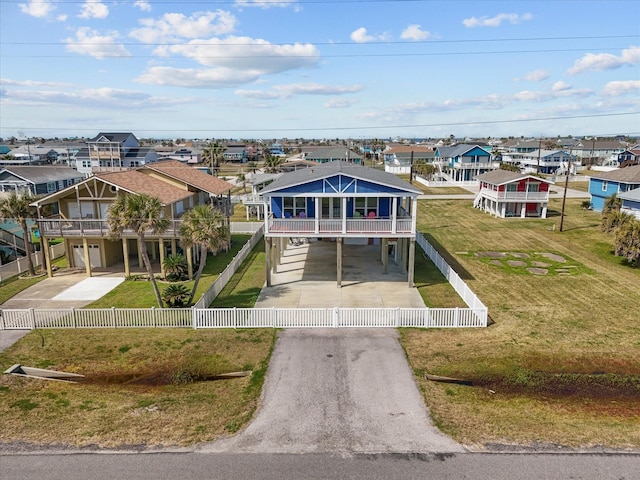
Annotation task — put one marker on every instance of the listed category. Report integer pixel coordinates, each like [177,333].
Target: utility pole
[566,185]
[539,148]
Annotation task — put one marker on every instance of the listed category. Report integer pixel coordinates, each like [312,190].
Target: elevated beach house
[82,211]
[603,185]
[512,194]
[343,202]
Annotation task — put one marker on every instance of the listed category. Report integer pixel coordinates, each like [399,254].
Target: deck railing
[95,228]
[324,226]
[515,196]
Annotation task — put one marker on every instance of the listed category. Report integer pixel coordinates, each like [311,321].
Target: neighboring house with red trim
[511,194]
[82,213]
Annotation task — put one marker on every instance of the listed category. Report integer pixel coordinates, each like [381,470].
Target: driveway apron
[342,391]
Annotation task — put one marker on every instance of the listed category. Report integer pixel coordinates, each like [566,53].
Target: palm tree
[17,207]
[627,242]
[140,213]
[206,227]
[211,156]
[272,162]
[175,267]
[176,295]
[242,178]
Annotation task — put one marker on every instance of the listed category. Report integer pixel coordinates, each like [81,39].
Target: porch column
[189,263]
[266,220]
[523,210]
[414,215]
[544,210]
[404,254]
[267,255]
[344,214]
[318,208]
[385,255]
[125,255]
[394,215]
[412,256]
[87,258]
[276,254]
[174,248]
[503,210]
[47,255]
[161,245]
[339,260]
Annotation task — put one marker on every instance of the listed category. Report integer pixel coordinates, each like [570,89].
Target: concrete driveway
[68,289]
[341,391]
[306,278]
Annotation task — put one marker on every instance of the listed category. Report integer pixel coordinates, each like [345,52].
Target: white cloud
[196,78]
[245,53]
[31,83]
[174,26]
[37,8]
[360,36]
[606,61]
[340,103]
[534,76]
[415,32]
[94,9]
[89,42]
[496,21]
[560,86]
[621,87]
[288,91]
[265,3]
[143,5]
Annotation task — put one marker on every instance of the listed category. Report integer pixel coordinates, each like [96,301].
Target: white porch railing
[309,226]
[515,196]
[198,318]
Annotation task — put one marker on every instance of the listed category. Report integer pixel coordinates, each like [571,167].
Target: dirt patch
[154,379]
[585,387]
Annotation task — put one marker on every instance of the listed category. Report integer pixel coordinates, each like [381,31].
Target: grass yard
[139,293]
[142,387]
[561,363]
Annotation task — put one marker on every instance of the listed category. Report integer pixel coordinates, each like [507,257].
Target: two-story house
[38,180]
[465,161]
[83,210]
[602,185]
[511,194]
[399,159]
[347,203]
[113,152]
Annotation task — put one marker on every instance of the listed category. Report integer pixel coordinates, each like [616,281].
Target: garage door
[94,255]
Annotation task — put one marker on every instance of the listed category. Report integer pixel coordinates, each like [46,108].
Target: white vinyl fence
[197,318]
[470,298]
[19,266]
[217,286]
[201,317]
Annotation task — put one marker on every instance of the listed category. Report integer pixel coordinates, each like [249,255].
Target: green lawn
[561,362]
[139,293]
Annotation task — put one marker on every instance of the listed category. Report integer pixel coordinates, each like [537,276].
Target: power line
[345,55]
[338,44]
[308,129]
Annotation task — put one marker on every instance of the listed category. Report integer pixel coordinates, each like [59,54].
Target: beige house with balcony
[82,212]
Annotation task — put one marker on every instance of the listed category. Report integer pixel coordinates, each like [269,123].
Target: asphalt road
[197,466]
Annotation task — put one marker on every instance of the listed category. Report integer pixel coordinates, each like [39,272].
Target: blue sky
[319,69]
